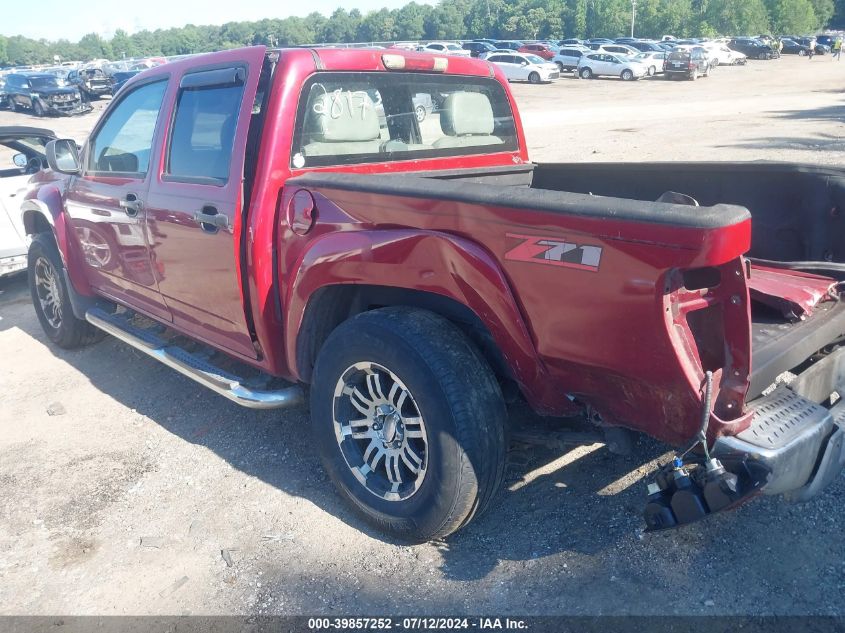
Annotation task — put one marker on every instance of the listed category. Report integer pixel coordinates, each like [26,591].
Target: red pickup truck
[365,226]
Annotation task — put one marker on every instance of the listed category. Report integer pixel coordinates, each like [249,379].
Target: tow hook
[685,492]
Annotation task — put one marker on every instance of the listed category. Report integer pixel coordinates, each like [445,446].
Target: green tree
[731,17]
[410,21]
[792,16]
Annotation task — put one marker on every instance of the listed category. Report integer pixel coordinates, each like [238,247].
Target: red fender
[46,201]
[429,262]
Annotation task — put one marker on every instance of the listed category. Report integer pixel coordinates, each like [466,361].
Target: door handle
[131,205]
[210,220]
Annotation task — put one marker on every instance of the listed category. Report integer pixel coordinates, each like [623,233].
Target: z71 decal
[541,250]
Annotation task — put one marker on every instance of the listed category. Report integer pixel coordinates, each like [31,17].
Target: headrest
[467,113]
[343,117]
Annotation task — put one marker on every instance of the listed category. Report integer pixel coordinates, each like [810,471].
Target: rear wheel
[585,73]
[409,421]
[51,298]
[802,53]
[694,74]
[420,113]
[534,78]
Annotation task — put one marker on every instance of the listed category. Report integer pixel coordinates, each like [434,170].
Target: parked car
[94,83]
[504,51]
[477,49]
[120,78]
[811,42]
[449,48]
[721,55]
[690,64]
[567,58]
[607,64]
[570,42]
[752,48]
[540,50]
[653,60]
[408,305]
[647,46]
[4,100]
[826,40]
[511,45]
[617,49]
[525,67]
[791,47]
[24,148]
[42,94]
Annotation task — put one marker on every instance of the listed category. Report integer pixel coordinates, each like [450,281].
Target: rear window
[349,118]
[679,55]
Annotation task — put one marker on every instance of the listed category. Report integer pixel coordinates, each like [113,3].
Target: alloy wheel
[380,431]
[47,289]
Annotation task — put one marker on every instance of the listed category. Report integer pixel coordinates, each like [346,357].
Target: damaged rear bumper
[795,446]
[796,433]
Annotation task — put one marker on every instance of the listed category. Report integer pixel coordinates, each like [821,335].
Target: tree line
[452,19]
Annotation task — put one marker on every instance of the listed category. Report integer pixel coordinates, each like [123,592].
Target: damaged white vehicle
[21,156]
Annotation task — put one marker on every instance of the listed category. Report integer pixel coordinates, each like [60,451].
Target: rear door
[106,201]
[195,199]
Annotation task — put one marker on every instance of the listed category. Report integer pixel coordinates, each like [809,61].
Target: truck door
[194,201]
[106,201]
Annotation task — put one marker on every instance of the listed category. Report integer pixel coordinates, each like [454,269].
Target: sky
[55,19]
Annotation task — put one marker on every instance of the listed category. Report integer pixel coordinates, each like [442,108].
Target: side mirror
[63,156]
[524,64]
[20,160]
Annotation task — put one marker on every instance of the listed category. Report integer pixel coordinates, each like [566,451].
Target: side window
[203,132]
[123,142]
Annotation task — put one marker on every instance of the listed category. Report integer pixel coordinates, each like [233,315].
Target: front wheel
[627,75]
[585,73]
[51,298]
[37,108]
[802,53]
[420,113]
[534,78]
[409,421]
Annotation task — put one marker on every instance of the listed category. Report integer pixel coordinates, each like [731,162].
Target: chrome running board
[208,375]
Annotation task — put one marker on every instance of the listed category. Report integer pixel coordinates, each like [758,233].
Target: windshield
[348,118]
[453,47]
[534,59]
[44,82]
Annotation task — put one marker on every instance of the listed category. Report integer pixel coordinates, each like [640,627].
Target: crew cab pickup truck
[273,223]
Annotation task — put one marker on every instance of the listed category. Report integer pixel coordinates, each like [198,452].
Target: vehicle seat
[467,121]
[342,123]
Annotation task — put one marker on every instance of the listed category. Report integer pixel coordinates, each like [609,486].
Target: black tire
[66,331]
[585,73]
[37,108]
[454,392]
[694,74]
[560,67]
[420,113]
[534,78]
[802,53]
[627,75]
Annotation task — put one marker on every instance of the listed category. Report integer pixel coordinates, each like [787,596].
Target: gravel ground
[127,489]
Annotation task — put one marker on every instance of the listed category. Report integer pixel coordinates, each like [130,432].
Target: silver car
[607,64]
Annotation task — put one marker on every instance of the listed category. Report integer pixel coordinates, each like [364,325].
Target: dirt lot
[122,500]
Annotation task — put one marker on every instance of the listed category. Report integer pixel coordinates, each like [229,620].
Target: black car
[42,94]
[122,76]
[826,40]
[753,49]
[646,47]
[508,44]
[92,82]
[791,47]
[691,64]
[477,48]
[818,48]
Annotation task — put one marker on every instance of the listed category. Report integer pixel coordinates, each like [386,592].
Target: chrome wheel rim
[47,290]
[94,247]
[380,431]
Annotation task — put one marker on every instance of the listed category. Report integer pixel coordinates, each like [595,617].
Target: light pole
[633,15]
